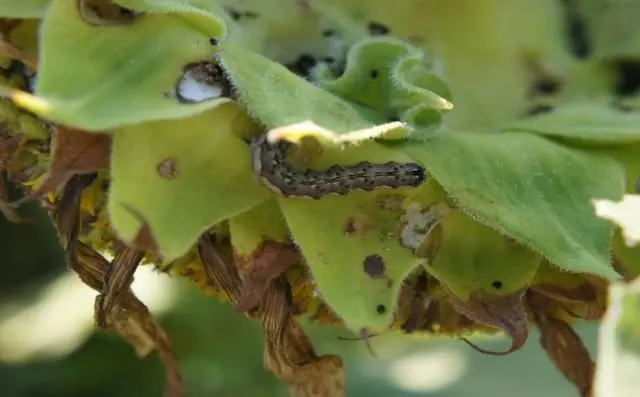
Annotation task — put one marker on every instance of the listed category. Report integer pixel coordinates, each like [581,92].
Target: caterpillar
[282,178]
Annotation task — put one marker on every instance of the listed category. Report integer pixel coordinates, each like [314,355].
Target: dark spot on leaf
[213,41]
[546,86]
[106,13]
[201,81]
[628,82]
[377,29]
[250,15]
[381,309]
[374,74]
[350,228]
[539,109]
[303,65]
[328,32]
[374,266]
[576,32]
[167,168]
[497,284]
[234,14]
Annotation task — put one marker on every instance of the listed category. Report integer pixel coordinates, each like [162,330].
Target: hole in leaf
[234,14]
[377,29]
[328,32]
[576,30]
[303,65]
[539,109]
[202,81]
[628,77]
[381,309]
[106,13]
[250,15]
[374,74]
[497,284]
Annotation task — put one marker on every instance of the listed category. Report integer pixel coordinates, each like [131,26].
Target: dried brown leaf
[221,272]
[563,345]
[582,301]
[76,152]
[8,145]
[117,281]
[127,315]
[288,352]
[266,263]
[133,321]
[5,206]
[505,312]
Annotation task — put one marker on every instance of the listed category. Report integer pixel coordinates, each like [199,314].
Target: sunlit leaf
[123,79]
[531,189]
[181,176]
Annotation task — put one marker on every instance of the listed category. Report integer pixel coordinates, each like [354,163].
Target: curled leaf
[505,312]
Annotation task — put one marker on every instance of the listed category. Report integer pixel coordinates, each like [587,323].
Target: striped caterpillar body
[282,178]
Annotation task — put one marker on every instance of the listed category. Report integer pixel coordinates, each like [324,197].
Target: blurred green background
[48,347]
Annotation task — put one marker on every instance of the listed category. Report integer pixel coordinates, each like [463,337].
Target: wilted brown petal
[269,260]
[5,207]
[505,312]
[10,49]
[76,152]
[585,296]
[66,215]
[8,145]
[414,300]
[563,345]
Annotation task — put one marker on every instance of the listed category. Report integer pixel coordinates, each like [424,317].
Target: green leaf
[340,236]
[102,77]
[532,189]
[182,177]
[278,97]
[388,75]
[471,257]
[586,122]
[23,8]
